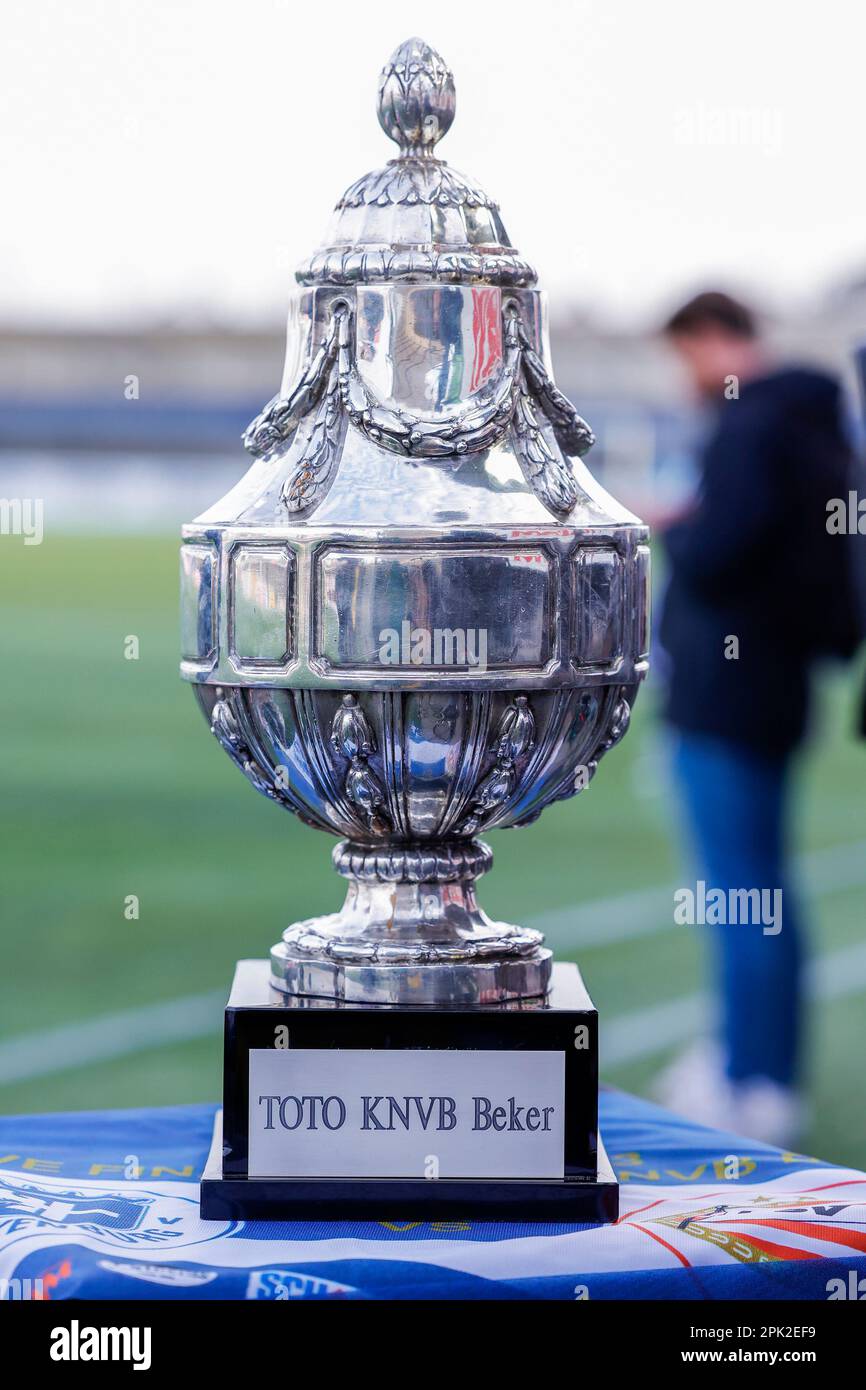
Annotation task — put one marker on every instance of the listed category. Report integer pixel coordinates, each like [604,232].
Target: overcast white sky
[181,156]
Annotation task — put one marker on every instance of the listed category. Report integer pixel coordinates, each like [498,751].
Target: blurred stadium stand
[62,392]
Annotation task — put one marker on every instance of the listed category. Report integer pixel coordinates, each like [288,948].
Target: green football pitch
[113,787]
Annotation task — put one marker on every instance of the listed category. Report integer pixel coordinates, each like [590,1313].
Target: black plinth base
[564,1025]
[385,1199]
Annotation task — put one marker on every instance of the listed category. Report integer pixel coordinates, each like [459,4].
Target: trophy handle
[282,414]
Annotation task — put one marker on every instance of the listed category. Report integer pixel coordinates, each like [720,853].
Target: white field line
[640,1033]
[647,1032]
[112,1035]
[645,911]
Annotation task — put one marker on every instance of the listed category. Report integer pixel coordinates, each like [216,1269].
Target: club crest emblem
[114,1217]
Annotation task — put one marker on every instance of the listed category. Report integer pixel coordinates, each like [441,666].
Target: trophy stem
[411,906]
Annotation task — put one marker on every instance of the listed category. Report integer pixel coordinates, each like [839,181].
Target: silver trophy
[418,617]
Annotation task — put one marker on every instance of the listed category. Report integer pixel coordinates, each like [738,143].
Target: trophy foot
[411,906]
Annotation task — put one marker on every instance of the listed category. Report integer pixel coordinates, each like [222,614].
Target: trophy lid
[416,219]
[418,383]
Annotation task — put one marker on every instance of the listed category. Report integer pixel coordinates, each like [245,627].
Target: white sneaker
[762,1109]
[696,1086]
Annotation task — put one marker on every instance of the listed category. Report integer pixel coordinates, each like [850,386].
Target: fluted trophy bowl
[418,617]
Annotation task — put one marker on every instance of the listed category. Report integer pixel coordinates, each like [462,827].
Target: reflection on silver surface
[430,620]
[463,610]
[425,346]
[599,606]
[197,608]
[643,590]
[261,604]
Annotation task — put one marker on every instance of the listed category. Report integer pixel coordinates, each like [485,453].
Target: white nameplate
[406,1114]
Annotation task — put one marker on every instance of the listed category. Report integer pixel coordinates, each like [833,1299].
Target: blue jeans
[735,803]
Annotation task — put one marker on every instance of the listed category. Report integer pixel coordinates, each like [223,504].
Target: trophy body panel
[517,606]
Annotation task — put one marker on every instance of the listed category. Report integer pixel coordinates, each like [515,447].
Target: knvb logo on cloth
[406,1114]
[119,1217]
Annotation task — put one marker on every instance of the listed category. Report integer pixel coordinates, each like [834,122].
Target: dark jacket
[756,562]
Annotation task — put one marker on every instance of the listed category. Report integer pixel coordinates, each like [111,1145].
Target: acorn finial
[416,98]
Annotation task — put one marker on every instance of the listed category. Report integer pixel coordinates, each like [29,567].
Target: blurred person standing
[759,591]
